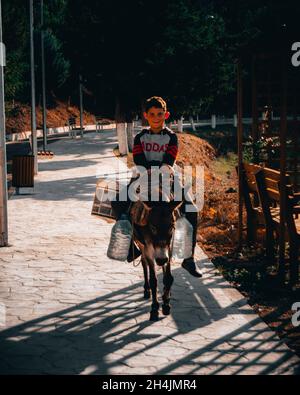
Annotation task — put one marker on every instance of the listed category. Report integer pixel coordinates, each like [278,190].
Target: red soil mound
[195,151]
[18,118]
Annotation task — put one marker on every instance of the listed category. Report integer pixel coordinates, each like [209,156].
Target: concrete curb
[57,131]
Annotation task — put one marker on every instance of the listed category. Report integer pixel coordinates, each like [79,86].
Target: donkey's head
[159,230]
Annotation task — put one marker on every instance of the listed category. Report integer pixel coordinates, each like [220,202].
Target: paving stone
[71,310]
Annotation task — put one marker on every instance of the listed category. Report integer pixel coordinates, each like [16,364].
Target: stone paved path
[71,310]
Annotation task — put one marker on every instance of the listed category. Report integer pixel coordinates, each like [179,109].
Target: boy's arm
[171,153]
[139,157]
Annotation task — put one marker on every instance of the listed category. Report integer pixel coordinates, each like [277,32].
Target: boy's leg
[121,207]
[192,216]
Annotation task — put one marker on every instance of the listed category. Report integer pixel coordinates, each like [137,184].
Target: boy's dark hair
[155,101]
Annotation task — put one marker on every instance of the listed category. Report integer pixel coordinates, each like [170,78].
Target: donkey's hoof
[147,294]
[166,309]
[154,316]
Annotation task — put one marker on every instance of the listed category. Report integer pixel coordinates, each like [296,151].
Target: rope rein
[132,239]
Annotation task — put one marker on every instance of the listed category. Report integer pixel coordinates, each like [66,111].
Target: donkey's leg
[146,277]
[153,285]
[168,281]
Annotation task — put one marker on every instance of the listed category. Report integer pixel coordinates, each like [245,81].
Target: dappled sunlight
[113,334]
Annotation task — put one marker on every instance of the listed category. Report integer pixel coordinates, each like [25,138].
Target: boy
[158,146]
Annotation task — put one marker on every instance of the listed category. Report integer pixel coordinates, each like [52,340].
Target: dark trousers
[122,207]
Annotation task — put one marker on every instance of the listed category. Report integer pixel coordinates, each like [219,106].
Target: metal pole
[3,169]
[33,113]
[240,148]
[43,79]
[81,105]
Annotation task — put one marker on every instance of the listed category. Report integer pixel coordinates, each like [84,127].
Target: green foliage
[260,150]
[184,50]
[59,66]
[16,39]
[15,83]
[175,48]
[15,36]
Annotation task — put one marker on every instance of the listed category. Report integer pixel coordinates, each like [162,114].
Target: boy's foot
[133,254]
[190,265]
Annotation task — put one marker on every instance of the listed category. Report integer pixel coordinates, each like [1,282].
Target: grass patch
[223,138]
[225,164]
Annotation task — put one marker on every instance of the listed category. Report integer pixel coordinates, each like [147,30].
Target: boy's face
[156,118]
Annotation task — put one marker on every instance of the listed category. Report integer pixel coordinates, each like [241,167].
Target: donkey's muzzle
[161,261]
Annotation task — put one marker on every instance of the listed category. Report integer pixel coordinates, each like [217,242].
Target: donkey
[153,235]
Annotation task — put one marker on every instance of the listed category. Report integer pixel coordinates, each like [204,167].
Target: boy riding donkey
[158,146]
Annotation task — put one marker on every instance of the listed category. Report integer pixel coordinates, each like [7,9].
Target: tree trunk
[144,120]
[130,136]
[121,127]
[130,128]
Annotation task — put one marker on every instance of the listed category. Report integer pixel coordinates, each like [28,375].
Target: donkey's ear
[175,205]
[147,207]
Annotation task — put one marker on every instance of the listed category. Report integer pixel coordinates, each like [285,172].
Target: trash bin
[23,171]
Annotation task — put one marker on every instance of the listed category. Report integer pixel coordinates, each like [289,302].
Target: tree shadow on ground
[79,188]
[112,333]
[97,147]
[92,143]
